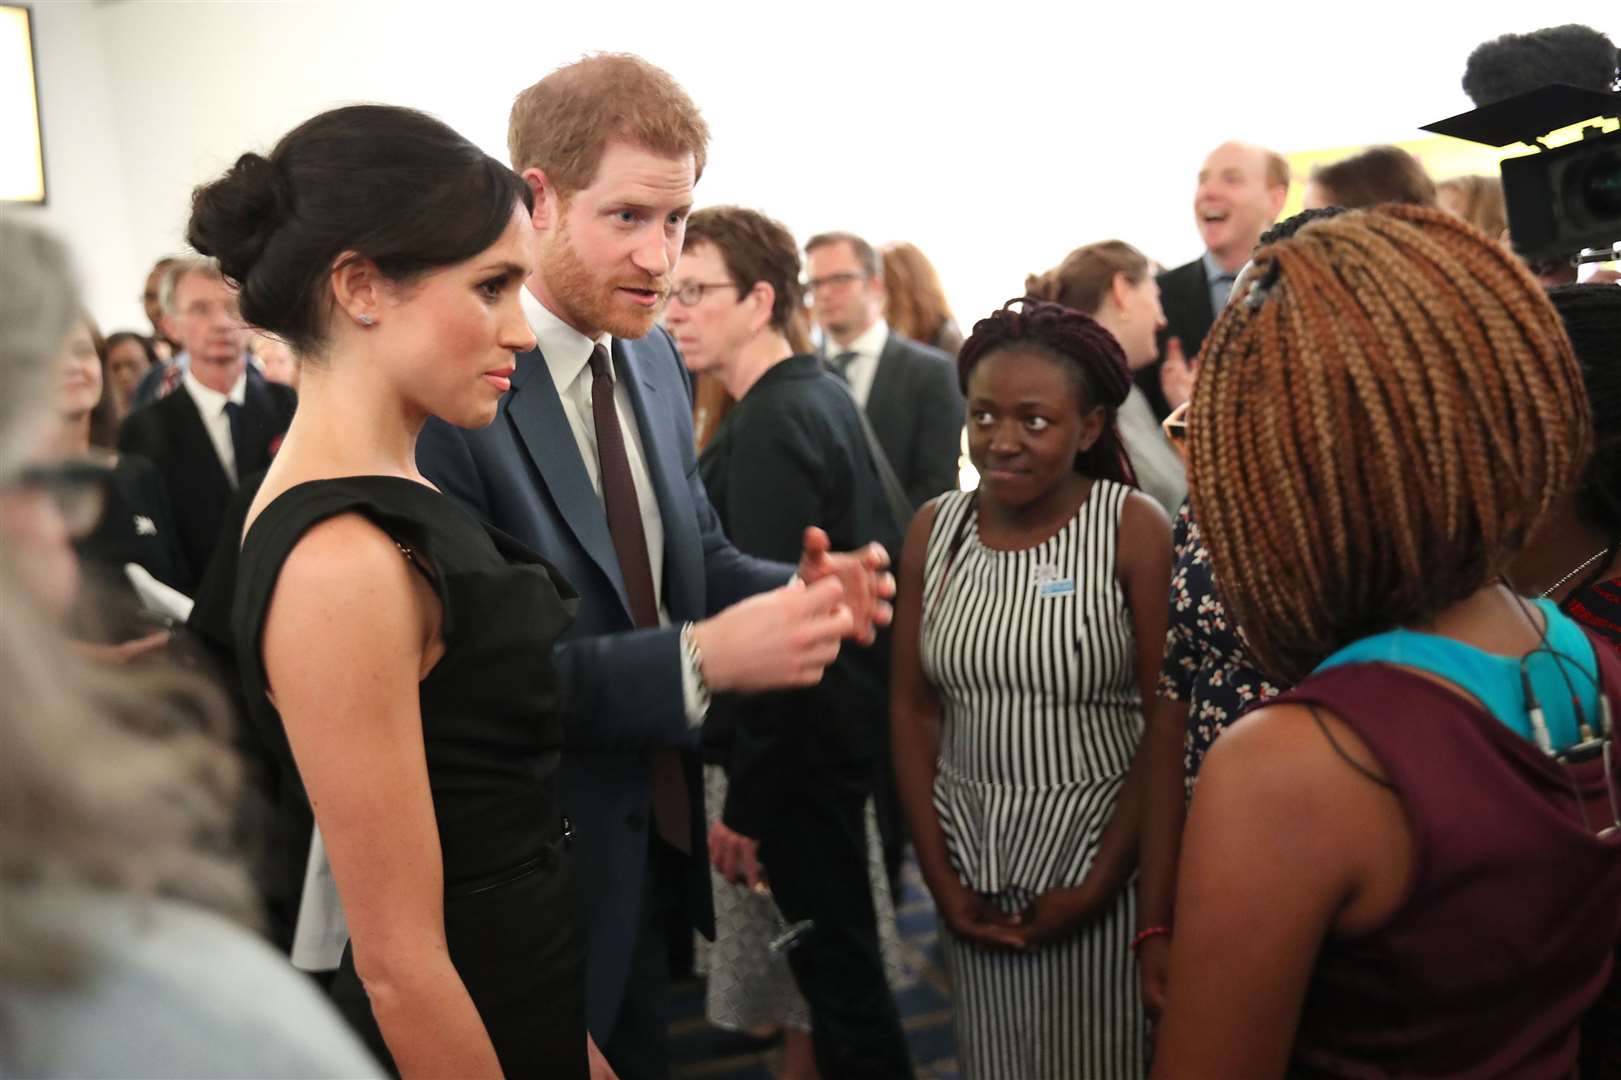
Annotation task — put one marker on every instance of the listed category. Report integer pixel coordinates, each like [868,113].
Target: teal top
[1564,677]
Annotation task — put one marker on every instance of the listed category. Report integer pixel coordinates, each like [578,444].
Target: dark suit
[1184,293]
[916,409]
[524,474]
[800,762]
[170,432]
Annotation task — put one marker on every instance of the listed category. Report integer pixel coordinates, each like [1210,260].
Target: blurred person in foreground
[1325,884]
[793,772]
[115,804]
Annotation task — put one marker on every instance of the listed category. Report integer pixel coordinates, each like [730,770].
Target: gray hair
[110,779]
[179,268]
[39,299]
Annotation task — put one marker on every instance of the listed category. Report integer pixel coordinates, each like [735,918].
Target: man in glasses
[909,391]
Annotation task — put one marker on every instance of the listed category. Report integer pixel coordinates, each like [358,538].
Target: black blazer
[789,455]
[170,433]
[917,411]
[1184,293]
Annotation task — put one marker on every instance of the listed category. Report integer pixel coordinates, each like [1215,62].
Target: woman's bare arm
[1285,842]
[352,627]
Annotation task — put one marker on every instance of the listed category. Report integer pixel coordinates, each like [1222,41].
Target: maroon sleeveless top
[1510,930]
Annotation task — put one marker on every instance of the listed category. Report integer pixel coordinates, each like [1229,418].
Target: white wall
[996,136]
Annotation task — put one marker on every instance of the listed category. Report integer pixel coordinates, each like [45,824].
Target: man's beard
[589,302]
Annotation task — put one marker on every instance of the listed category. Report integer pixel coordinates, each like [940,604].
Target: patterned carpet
[699,1050]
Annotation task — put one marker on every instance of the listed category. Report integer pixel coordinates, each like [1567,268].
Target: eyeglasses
[828,281]
[691,293]
[77,486]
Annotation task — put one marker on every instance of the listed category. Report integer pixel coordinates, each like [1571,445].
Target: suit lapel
[536,414]
[886,380]
[192,440]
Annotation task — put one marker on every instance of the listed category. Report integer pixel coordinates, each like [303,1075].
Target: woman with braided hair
[1396,868]
[1027,637]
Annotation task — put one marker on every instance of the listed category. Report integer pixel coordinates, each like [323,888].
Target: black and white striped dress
[1034,659]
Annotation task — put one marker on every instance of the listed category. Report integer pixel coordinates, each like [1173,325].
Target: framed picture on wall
[22,140]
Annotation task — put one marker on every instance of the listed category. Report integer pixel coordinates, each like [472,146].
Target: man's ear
[357,287]
[764,297]
[548,202]
[1276,198]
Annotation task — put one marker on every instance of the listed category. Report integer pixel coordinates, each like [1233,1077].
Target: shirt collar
[211,402]
[870,343]
[566,350]
[1213,270]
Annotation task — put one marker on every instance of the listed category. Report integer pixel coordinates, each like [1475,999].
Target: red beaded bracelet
[1144,935]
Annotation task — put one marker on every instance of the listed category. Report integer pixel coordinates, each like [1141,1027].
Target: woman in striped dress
[1028,633]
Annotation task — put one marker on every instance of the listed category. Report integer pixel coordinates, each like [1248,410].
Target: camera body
[1562,200]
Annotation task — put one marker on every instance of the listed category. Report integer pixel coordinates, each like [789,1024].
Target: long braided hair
[1089,355]
[1381,420]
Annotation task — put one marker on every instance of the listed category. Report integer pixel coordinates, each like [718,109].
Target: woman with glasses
[121,895]
[793,453]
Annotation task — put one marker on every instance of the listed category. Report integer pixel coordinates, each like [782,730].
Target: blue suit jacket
[524,475]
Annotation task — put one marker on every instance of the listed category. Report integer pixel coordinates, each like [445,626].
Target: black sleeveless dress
[492,729]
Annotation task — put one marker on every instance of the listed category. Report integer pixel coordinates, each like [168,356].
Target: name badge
[1061,587]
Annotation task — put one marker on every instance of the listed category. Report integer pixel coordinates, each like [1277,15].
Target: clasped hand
[1052,915]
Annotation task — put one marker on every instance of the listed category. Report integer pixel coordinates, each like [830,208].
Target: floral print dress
[1207,662]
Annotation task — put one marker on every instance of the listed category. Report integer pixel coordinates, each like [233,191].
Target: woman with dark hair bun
[1027,638]
[393,649]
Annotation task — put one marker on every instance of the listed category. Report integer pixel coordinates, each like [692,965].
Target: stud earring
[366,320]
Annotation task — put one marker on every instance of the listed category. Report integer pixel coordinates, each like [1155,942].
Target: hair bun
[234,218]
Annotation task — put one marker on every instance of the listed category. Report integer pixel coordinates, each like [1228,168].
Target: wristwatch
[693,658]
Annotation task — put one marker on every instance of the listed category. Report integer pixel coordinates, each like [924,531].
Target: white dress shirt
[864,368]
[211,405]
[568,360]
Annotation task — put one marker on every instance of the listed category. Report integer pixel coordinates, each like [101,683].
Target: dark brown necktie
[669,780]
